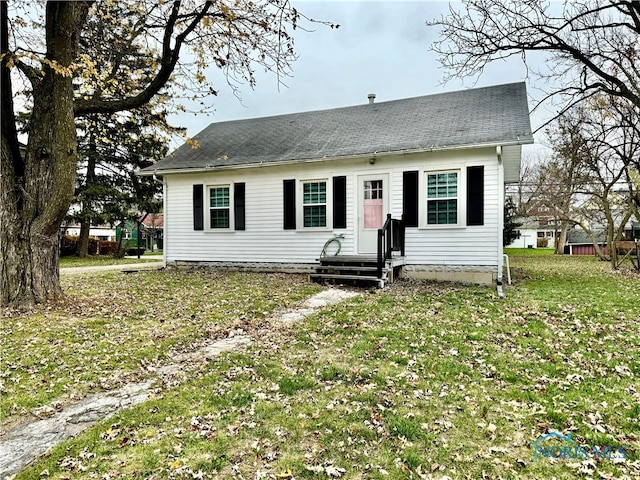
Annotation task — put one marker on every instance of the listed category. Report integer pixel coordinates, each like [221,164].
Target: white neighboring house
[101,232]
[528,238]
[529,233]
[269,192]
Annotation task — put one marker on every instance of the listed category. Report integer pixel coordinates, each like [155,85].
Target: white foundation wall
[265,242]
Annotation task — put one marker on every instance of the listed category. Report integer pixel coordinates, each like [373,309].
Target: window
[219,206]
[314,204]
[540,234]
[442,198]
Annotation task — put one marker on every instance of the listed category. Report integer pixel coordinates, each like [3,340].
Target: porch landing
[358,269]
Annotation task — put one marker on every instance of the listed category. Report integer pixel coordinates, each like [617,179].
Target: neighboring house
[127,231]
[533,234]
[579,243]
[542,213]
[269,192]
[152,229]
[101,232]
[527,233]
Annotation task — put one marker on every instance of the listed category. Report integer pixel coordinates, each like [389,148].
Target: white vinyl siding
[265,241]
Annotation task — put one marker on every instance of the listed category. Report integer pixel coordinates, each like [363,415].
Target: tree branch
[169,60]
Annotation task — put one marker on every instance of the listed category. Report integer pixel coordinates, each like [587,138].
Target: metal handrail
[390,239]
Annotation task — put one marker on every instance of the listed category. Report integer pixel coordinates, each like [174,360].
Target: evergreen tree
[510,230]
[111,149]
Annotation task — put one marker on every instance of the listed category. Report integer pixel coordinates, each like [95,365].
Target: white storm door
[373,206]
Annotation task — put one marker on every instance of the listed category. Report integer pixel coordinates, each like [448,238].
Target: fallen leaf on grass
[330,470]
[111,433]
[335,472]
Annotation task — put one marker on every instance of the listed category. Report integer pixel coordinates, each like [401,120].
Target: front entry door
[373,206]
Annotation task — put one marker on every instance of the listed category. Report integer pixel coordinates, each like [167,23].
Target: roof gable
[483,116]
[153,220]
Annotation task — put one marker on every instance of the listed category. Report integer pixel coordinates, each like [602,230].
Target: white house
[269,192]
[527,238]
[101,232]
[532,234]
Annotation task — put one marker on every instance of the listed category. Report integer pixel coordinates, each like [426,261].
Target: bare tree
[526,192]
[563,177]
[601,146]
[550,183]
[591,52]
[591,44]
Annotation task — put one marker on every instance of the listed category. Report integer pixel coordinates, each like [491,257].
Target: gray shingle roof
[488,115]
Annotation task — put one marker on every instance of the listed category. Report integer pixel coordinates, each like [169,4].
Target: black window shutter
[410,198]
[238,205]
[475,195]
[198,207]
[289,189]
[339,202]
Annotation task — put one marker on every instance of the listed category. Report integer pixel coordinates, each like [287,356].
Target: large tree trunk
[37,192]
[82,248]
[561,239]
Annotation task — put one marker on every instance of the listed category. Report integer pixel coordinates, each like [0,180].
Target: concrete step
[348,268]
[350,258]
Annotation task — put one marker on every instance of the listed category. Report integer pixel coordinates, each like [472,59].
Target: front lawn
[420,380]
[116,328]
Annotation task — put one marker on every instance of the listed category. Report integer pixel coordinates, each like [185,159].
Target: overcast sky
[381,47]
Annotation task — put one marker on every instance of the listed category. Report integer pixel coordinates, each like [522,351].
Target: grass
[528,251]
[100,260]
[420,380]
[113,328]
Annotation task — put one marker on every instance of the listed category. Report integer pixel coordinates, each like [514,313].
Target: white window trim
[231,227]
[300,205]
[461,198]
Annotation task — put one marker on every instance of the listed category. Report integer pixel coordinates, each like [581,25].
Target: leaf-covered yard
[420,380]
[115,328]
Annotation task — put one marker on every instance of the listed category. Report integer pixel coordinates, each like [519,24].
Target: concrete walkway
[23,444]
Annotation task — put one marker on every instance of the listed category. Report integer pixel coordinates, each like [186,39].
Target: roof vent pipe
[371,97]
